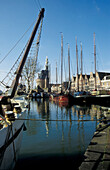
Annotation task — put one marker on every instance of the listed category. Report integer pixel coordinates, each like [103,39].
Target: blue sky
[79,18]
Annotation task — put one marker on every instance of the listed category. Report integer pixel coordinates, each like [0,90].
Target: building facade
[43,77]
[87,82]
[105,82]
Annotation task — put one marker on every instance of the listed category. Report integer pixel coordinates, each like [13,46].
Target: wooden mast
[16,80]
[95,59]
[61,60]
[69,60]
[81,61]
[77,65]
[81,70]
[69,66]
[56,74]
[56,78]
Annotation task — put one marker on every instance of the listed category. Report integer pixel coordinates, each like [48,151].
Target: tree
[29,72]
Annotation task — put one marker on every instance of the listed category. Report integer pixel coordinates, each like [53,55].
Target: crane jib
[16,80]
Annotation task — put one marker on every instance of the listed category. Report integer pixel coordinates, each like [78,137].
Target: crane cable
[16,43]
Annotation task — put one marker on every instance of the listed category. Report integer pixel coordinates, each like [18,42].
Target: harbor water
[56,135]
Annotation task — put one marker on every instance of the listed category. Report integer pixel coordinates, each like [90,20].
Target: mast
[61,60]
[95,59]
[56,74]
[69,65]
[81,61]
[69,60]
[77,65]
[56,78]
[16,80]
[81,70]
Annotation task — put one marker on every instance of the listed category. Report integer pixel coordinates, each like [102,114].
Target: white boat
[12,112]
[10,137]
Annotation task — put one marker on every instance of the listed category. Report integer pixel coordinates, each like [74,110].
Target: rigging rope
[61,120]
[16,43]
[39,3]
[36,4]
[29,70]
[12,72]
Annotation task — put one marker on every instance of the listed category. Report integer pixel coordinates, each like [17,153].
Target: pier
[97,155]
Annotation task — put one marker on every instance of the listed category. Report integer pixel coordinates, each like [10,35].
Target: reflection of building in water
[44,112]
[80,111]
[43,109]
[95,112]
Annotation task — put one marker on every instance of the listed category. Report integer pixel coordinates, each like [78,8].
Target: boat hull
[103,100]
[66,99]
[10,142]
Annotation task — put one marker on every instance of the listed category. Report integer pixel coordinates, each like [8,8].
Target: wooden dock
[97,155]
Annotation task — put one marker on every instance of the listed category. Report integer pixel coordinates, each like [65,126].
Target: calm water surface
[52,144]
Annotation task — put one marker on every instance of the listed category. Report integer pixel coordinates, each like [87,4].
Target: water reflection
[50,112]
[62,140]
[46,108]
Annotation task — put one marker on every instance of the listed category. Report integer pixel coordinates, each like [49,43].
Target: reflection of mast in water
[62,124]
[96,113]
[47,128]
[83,135]
[63,147]
[69,133]
[57,117]
[47,113]
[80,112]
[79,141]
[93,112]
[70,117]
[44,112]
[65,115]
[28,106]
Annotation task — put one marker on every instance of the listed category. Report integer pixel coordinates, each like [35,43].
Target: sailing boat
[66,97]
[12,112]
[99,97]
[81,95]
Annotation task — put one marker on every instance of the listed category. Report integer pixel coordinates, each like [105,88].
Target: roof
[43,74]
[103,74]
[83,75]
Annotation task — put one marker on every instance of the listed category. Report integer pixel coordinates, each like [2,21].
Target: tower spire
[46,63]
